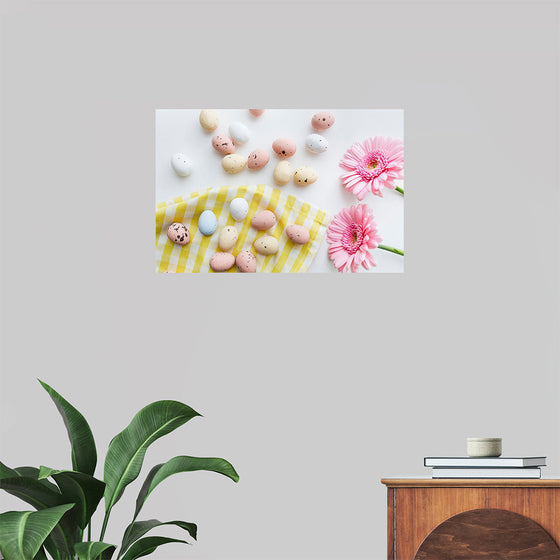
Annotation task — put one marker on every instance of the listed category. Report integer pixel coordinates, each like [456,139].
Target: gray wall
[315,387]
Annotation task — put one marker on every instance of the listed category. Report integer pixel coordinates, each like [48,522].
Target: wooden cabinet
[472,519]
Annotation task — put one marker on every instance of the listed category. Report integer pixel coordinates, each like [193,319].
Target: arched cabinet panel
[488,534]
[473,519]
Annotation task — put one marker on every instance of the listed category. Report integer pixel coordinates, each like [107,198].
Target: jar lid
[490,439]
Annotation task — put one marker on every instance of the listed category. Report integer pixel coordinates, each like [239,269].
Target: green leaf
[41,555]
[92,550]
[82,489]
[146,546]
[22,533]
[41,496]
[84,454]
[127,450]
[33,472]
[182,464]
[7,472]
[139,528]
[31,491]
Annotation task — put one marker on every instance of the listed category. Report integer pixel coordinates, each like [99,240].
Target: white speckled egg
[182,165]
[208,119]
[207,222]
[239,133]
[305,175]
[266,245]
[316,143]
[246,262]
[220,262]
[238,208]
[234,163]
[228,238]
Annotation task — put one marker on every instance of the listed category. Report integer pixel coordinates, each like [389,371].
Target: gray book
[468,462]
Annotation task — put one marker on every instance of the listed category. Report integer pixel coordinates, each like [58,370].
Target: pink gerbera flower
[351,235]
[370,166]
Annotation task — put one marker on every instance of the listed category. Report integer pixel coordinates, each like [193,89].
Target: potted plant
[65,500]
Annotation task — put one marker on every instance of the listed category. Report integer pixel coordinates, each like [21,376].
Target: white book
[457,472]
[467,462]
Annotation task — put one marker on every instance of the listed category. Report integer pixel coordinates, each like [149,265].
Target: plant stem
[89,531]
[398,189]
[104,528]
[391,249]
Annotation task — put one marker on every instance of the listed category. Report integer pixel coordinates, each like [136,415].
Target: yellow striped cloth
[195,256]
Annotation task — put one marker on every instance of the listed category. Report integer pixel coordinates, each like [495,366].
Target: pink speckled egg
[256,112]
[246,262]
[322,120]
[258,159]
[220,262]
[178,233]
[297,234]
[223,144]
[263,220]
[284,147]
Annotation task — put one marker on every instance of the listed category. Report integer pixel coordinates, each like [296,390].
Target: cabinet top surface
[470,482]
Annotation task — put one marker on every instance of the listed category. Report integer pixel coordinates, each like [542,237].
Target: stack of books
[485,467]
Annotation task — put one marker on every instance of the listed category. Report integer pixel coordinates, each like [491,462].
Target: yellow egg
[266,245]
[234,163]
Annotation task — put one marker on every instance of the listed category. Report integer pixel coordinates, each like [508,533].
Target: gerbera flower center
[373,165]
[352,238]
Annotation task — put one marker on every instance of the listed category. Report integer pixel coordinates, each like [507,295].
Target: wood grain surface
[488,534]
[471,482]
[419,510]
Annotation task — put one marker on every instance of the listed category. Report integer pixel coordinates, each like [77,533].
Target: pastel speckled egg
[182,165]
[282,172]
[234,163]
[297,234]
[178,233]
[207,222]
[305,175]
[284,147]
[238,208]
[223,144]
[258,158]
[256,112]
[316,143]
[208,119]
[239,133]
[246,262]
[322,120]
[266,245]
[220,262]
[228,238]
[263,220]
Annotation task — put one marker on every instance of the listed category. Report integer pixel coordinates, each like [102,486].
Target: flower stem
[398,189]
[391,249]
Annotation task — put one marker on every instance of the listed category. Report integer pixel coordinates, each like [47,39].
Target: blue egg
[207,223]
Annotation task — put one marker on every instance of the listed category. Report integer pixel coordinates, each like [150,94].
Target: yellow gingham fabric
[195,256]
